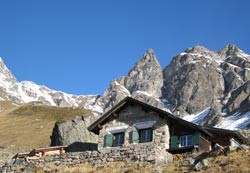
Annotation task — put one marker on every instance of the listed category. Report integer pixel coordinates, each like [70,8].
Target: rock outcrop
[73,131]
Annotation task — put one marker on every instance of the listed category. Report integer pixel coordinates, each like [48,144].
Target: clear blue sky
[79,46]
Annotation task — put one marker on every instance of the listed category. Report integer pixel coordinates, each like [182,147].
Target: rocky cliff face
[193,80]
[200,79]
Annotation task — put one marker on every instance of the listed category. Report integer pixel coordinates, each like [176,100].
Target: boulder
[203,164]
[73,131]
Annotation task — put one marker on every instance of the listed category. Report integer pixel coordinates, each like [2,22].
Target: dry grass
[233,163]
[6,107]
[30,126]
[115,167]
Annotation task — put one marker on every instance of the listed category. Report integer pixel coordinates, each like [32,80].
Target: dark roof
[95,127]
[223,133]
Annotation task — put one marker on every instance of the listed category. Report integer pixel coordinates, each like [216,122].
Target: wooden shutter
[135,136]
[108,140]
[196,139]
[174,142]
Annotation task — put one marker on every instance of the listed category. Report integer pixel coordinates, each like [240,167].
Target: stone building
[132,123]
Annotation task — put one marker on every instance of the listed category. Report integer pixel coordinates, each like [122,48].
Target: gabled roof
[95,127]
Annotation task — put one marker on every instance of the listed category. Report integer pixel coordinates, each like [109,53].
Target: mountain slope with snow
[27,91]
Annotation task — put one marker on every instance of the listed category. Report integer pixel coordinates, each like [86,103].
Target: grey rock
[231,77]
[72,131]
[144,82]
[146,76]
[193,81]
[240,99]
[203,164]
[214,116]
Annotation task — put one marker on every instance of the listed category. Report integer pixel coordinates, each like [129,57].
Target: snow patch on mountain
[197,118]
[27,91]
[235,122]
[122,88]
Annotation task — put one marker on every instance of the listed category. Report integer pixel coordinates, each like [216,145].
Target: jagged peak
[149,57]
[150,51]
[229,49]
[232,50]
[197,49]
[146,64]
[201,51]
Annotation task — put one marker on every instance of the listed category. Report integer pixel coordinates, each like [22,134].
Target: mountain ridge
[196,80]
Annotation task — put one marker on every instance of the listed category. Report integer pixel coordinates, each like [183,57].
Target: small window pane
[186,141]
[189,140]
[118,139]
[146,135]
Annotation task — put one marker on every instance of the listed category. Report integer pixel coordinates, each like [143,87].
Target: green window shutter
[135,136]
[174,142]
[108,140]
[196,139]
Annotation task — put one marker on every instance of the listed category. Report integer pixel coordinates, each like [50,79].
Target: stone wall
[136,153]
[131,115]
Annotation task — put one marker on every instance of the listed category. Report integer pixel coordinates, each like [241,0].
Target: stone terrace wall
[145,153]
[138,153]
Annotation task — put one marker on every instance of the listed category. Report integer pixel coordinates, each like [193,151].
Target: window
[118,139]
[186,141]
[145,135]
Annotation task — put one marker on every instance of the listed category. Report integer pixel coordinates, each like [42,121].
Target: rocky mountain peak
[146,75]
[149,56]
[197,49]
[143,82]
[230,50]
[200,50]
[146,62]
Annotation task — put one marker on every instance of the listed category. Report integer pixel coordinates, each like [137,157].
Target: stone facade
[131,116]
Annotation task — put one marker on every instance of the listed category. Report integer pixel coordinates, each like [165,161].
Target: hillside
[23,127]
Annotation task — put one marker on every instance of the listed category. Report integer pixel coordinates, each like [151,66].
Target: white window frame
[184,141]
